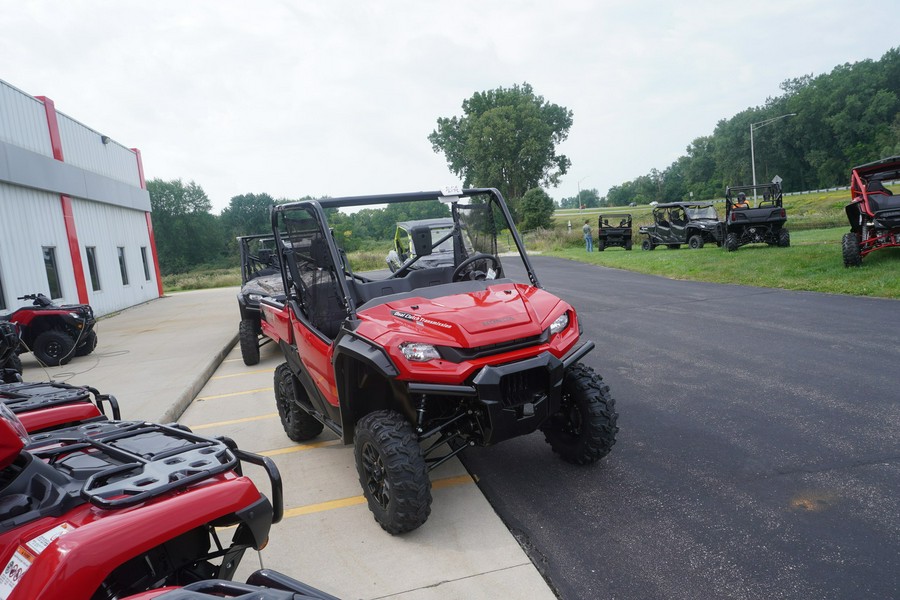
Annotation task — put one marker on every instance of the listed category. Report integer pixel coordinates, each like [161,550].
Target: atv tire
[850,250]
[628,244]
[392,471]
[249,342]
[601,245]
[647,245]
[695,242]
[298,424]
[731,242]
[88,343]
[53,347]
[784,238]
[584,430]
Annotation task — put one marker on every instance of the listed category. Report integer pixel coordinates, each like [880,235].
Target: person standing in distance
[588,240]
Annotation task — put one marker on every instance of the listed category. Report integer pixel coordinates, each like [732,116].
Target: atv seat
[326,310]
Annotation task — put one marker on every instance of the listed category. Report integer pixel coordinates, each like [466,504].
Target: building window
[122,266]
[91,252]
[146,265]
[52,272]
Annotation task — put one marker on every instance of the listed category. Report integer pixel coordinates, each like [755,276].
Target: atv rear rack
[126,463]
[26,397]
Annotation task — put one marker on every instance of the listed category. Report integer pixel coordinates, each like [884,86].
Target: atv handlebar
[39,299]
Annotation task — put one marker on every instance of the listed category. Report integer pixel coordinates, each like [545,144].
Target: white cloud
[298,98]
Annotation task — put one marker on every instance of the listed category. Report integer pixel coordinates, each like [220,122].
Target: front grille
[523,387]
[458,355]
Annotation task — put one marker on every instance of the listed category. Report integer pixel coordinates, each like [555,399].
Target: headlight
[76,316]
[419,352]
[254,297]
[559,324]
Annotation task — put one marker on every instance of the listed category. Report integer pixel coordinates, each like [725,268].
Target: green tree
[187,234]
[248,214]
[507,139]
[537,210]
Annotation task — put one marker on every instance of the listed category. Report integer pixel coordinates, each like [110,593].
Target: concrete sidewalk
[154,357]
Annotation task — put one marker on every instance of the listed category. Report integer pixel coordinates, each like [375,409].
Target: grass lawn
[813,263]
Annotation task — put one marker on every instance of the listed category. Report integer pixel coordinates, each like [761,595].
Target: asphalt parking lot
[758,454]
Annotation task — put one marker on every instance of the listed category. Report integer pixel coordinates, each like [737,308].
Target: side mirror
[421,240]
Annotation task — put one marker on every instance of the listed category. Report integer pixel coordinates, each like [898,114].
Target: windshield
[702,212]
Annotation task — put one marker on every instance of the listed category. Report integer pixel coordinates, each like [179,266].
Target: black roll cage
[317,208]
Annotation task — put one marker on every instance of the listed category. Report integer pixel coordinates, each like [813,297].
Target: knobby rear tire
[850,250]
[298,424]
[249,342]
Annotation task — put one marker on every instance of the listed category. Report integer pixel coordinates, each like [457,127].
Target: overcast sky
[297,98]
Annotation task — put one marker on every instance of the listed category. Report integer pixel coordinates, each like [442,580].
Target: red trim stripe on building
[140,167]
[66,203]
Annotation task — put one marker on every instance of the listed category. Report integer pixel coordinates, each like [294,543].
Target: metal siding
[107,227]
[82,147]
[29,220]
[23,121]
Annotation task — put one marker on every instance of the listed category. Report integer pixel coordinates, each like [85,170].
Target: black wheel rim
[573,423]
[376,477]
[284,402]
[54,349]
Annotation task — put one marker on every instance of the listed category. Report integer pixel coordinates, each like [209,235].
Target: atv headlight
[254,297]
[561,322]
[76,316]
[419,352]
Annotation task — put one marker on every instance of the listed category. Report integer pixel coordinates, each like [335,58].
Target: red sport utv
[54,333]
[109,509]
[470,353]
[873,212]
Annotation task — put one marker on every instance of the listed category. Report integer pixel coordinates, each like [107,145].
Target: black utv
[260,278]
[677,223]
[614,230]
[754,215]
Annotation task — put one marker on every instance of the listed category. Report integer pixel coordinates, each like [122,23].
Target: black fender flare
[350,347]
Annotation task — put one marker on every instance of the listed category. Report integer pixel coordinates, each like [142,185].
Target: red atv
[46,406]
[113,508]
[10,363]
[470,353]
[873,212]
[55,333]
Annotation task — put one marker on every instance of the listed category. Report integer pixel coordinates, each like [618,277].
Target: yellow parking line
[246,392]
[300,448]
[241,374]
[233,421]
[355,500]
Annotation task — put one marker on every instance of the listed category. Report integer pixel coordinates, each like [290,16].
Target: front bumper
[513,399]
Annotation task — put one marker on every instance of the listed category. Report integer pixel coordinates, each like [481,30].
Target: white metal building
[74,211]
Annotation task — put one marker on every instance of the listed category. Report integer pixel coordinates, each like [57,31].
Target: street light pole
[752,154]
[580,205]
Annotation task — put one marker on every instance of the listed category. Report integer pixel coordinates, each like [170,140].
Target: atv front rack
[124,463]
[26,397]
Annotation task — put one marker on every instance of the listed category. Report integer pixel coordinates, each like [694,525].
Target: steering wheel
[475,274]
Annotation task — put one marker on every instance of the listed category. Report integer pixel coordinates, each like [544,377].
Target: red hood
[501,312]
